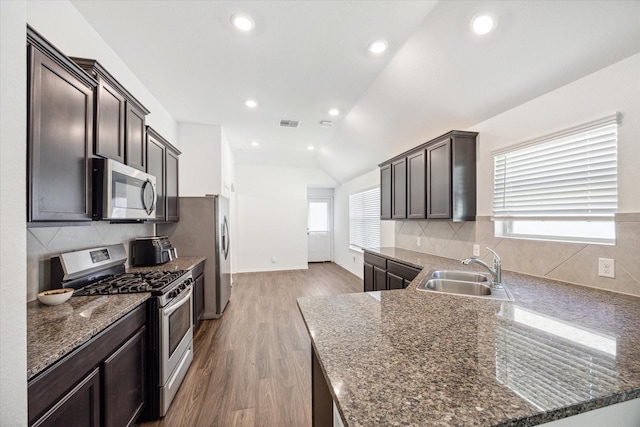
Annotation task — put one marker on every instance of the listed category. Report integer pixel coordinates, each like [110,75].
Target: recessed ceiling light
[378,46]
[255,143]
[310,148]
[334,112]
[251,103]
[482,24]
[243,22]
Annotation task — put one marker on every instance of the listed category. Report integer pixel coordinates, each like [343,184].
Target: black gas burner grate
[127,283]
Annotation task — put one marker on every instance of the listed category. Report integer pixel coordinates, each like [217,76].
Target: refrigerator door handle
[225,238]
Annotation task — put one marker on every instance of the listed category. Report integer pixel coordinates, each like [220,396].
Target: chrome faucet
[496,271]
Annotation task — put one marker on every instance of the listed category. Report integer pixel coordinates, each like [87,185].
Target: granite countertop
[180,263]
[55,331]
[416,358]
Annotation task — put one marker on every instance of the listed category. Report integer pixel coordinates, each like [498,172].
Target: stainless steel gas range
[101,271]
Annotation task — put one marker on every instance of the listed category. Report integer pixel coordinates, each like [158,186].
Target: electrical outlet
[419,241]
[273,259]
[607,267]
[476,250]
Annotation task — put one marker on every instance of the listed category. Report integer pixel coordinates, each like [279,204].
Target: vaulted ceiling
[306,57]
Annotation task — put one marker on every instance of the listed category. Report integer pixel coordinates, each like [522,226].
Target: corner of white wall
[13,245]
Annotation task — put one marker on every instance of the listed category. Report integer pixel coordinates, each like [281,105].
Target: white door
[319,213]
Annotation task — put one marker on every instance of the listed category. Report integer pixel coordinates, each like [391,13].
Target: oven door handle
[169,311]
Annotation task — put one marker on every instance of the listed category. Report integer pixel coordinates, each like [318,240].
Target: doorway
[319,229]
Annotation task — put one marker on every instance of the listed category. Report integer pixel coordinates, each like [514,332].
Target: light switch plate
[476,250]
[419,241]
[607,267]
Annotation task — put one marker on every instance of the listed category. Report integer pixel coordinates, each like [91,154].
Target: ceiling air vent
[289,123]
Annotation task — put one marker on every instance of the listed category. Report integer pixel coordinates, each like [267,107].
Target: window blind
[364,219]
[569,176]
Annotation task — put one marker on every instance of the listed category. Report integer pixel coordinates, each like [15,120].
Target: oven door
[176,334]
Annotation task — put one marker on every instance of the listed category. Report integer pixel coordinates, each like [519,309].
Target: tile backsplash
[46,242]
[569,262]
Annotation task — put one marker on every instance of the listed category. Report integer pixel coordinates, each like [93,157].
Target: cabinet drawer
[404,271]
[376,260]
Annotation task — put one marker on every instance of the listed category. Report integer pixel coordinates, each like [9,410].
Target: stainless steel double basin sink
[466,283]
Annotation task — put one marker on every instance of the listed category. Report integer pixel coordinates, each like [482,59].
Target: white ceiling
[305,57]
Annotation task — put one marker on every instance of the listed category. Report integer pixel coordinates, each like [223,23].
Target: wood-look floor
[252,367]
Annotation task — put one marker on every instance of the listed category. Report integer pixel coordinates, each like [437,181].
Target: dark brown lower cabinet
[124,382]
[78,408]
[375,278]
[321,400]
[101,383]
[381,273]
[394,282]
[368,277]
[379,279]
[198,293]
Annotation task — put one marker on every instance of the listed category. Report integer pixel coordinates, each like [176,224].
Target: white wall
[201,159]
[62,24]
[348,258]
[615,88]
[13,245]
[272,211]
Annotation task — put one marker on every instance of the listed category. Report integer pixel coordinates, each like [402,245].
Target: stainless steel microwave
[122,193]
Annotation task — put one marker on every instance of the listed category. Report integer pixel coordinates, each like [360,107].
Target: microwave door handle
[148,184]
[169,311]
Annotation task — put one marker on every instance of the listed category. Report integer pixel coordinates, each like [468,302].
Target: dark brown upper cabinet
[120,119]
[156,166]
[171,189]
[162,162]
[416,181]
[60,98]
[385,192]
[440,179]
[399,189]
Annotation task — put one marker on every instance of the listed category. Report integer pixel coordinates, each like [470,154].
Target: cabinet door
[173,203]
[368,277]
[394,282]
[110,119]
[135,144]
[156,167]
[385,192]
[78,408]
[416,177]
[399,189]
[198,299]
[124,382]
[60,135]
[439,180]
[379,279]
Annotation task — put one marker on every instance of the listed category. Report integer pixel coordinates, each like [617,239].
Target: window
[562,187]
[364,219]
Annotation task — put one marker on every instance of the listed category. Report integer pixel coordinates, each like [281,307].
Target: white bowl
[55,296]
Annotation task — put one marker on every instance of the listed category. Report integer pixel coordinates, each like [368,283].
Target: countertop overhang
[416,358]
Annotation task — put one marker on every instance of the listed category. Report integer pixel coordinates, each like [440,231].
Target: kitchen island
[414,358]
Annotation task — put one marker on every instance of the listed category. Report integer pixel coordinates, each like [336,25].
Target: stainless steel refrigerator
[203,230]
